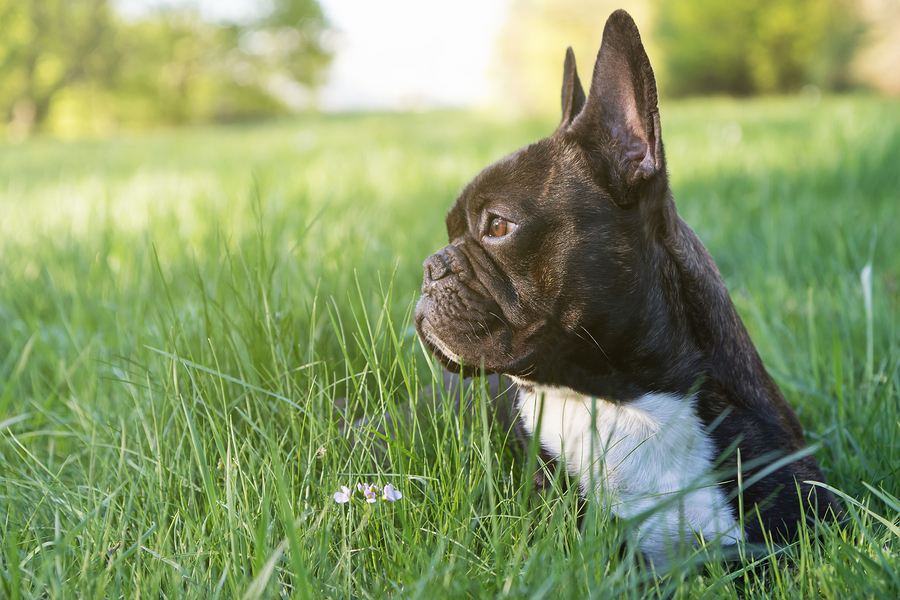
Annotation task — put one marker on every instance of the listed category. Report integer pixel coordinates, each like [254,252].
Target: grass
[179,312]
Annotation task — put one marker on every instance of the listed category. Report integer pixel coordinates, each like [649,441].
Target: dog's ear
[572,92]
[619,125]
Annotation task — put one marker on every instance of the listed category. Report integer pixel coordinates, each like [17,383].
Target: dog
[570,271]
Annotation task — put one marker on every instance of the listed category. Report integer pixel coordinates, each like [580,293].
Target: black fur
[602,288]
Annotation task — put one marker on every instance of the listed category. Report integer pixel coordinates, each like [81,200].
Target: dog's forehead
[521,179]
[526,171]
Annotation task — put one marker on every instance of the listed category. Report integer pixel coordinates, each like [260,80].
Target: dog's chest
[651,452]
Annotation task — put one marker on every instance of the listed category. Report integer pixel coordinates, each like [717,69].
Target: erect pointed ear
[572,92]
[620,122]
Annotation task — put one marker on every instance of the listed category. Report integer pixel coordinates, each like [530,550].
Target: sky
[410,54]
[393,54]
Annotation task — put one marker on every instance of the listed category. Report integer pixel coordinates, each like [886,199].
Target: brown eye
[500,227]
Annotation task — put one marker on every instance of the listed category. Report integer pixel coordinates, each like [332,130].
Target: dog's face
[543,274]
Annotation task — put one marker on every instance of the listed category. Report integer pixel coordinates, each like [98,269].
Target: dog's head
[542,278]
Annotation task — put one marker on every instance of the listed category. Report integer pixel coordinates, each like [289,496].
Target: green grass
[179,311]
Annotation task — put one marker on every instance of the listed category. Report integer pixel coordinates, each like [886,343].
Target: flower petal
[391,494]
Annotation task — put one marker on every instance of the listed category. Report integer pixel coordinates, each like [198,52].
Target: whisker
[594,341]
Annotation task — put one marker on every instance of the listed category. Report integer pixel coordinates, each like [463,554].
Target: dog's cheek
[546,275]
[546,267]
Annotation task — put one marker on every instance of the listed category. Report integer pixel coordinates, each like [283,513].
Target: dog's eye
[500,227]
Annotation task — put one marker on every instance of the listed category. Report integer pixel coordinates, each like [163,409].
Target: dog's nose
[435,267]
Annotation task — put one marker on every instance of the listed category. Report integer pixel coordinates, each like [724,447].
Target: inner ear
[620,117]
[572,92]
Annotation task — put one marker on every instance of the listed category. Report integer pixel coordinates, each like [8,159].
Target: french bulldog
[570,271]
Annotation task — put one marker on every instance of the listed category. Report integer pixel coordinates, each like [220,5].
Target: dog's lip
[433,341]
[427,337]
[437,348]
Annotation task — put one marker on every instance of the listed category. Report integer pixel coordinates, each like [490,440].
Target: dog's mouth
[522,366]
[449,359]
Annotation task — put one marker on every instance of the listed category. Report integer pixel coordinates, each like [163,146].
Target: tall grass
[180,313]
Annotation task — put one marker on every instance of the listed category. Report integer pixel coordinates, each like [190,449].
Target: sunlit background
[91,67]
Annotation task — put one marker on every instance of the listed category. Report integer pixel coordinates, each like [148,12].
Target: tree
[77,66]
[45,46]
[753,46]
[284,51]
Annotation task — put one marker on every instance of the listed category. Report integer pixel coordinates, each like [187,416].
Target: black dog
[569,270]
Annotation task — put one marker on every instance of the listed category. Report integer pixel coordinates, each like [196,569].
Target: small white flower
[391,494]
[343,496]
[369,491]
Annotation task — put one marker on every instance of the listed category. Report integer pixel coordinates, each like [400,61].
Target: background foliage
[81,68]
[756,46]
[76,67]
[702,47]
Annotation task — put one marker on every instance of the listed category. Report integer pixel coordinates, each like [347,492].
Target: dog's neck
[710,319]
[683,329]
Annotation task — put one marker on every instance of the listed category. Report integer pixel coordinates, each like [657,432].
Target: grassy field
[179,312]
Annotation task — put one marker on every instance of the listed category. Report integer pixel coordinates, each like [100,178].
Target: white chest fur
[650,453]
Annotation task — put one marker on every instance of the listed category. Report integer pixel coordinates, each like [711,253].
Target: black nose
[435,267]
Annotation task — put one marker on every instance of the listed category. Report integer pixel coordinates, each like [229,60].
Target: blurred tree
[283,51]
[75,66]
[296,27]
[752,46]
[176,68]
[45,46]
